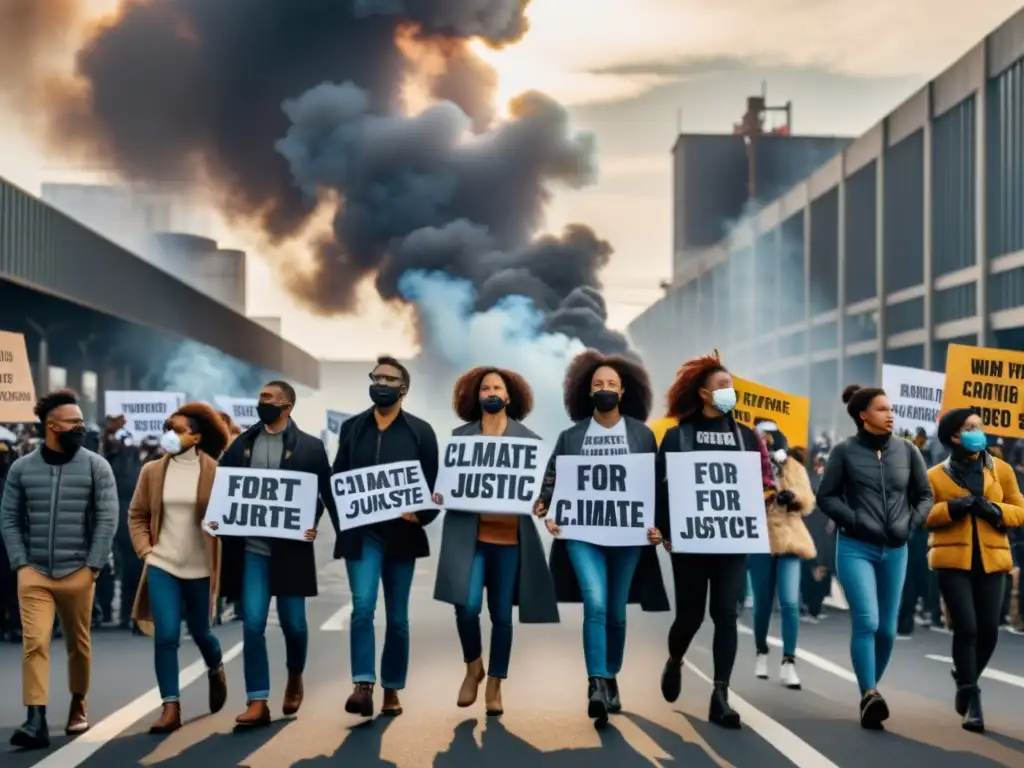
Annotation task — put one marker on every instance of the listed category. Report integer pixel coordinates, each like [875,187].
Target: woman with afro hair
[876,490]
[182,561]
[701,400]
[608,398]
[501,552]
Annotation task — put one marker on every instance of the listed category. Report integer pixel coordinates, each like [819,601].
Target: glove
[958,508]
[990,513]
[785,498]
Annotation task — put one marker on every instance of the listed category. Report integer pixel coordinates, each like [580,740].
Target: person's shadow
[361,748]
[216,749]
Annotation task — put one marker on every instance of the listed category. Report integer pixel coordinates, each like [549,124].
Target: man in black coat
[118,448]
[255,569]
[381,435]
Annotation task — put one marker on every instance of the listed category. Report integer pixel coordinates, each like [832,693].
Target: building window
[911,357]
[861,369]
[791,264]
[825,252]
[745,311]
[824,337]
[861,235]
[1006,289]
[905,316]
[904,213]
[860,327]
[939,349]
[1005,165]
[793,344]
[953,188]
[955,303]
[825,404]
[766,283]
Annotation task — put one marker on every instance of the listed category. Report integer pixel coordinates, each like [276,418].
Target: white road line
[991,674]
[787,743]
[811,658]
[80,749]
[339,621]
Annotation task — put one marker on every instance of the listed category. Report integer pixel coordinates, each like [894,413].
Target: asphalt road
[545,725]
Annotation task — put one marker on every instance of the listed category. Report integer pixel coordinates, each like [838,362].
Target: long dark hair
[466,395]
[636,385]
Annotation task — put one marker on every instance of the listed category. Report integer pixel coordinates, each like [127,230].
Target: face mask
[780,456]
[170,442]
[493,404]
[268,413]
[605,400]
[383,396]
[72,439]
[973,442]
[724,399]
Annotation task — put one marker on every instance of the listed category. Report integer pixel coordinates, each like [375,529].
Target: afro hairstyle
[466,395]
[636,385]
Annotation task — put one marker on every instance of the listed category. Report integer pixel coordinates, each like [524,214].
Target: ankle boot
[963,696]
[471,683]
[169,720]
[361,701]
[33,733]
[614,702]
[256,715]
[218,693]
[597,700]
[492,697]
[78,718]
[974,720]
[293,694]
[719,711]
[392,706]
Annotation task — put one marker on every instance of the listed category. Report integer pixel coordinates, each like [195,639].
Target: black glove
[958,508]
[990,513]
[785,498]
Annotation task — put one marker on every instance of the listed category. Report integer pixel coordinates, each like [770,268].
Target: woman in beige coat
[778,574]
[182,561]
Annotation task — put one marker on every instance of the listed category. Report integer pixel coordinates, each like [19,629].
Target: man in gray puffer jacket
[58,516]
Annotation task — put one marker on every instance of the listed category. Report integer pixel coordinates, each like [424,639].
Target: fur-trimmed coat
[787,533]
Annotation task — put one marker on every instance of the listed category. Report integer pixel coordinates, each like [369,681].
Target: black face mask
[268,413]
[383,396]
[493,404]
[605,400]
[72,439]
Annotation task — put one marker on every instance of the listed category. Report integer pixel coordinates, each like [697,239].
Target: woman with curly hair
[608,397]
[701,400]
[876,490]
[501,552]
[182,561]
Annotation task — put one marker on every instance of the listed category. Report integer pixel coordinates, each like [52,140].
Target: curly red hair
[205,421]
[466,395]
[636,385]
[684,395]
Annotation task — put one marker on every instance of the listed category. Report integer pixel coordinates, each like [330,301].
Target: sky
[633,79]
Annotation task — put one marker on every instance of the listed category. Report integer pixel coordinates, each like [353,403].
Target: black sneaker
[672,680]
[597,700]
[873,711]
[614,703]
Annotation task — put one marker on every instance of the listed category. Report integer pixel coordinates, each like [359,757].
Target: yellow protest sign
[989,381]
[756,403]
[17,393]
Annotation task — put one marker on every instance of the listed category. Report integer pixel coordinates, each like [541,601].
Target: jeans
[167,595]
[605,575]
[291,612]
[872,579]
[495,566]
[365,576]
[771,573]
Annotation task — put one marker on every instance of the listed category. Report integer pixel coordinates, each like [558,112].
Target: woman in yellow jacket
[976,500]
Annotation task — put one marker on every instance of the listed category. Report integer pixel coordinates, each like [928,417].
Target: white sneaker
[761,666]
[788,676]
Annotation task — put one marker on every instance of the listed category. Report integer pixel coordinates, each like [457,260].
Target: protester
[118,448]
[10,616]
[65,495]
[254,569]
[384,552]
[500,551]
[778,574]
[702,399]
[976,500]
[816,579]
[182,571]
[608,398]
[233,429]
[876,491]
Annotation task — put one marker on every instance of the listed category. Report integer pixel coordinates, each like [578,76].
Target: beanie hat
[951,423]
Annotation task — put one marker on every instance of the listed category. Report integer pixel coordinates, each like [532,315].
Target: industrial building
[908,239]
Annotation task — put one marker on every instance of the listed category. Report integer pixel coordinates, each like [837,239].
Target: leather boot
[33,733]
[471,683]
[78,718]
[293,694]
[719,712]
[974,720]
[169,720]
[361,701]
[492,697]
[392,706]
[218,694]
[256,715]
[614,702]
[597,700]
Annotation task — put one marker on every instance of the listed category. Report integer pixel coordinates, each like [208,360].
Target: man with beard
[120,452]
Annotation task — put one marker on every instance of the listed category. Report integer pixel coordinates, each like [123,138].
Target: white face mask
[170,442]
[780,456]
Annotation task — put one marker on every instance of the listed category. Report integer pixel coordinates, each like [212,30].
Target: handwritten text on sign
[491,474]
[606,500]
[376,494]
[716,502]
[276,503]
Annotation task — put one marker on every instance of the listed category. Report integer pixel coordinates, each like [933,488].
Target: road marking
[991,674]
[83,747]
[811,658]
[339,621]
[787,743]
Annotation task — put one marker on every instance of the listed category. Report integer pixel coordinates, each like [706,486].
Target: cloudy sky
[629,77]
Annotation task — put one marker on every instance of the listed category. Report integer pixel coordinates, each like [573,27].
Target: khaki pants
[41,598]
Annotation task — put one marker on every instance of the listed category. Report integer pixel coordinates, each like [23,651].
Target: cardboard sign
[988,381]
[756,402]
[492,475]
[916,396]
[605,500]
[241,409]
[144,412]
[17,392]
[380,493]
[271,503]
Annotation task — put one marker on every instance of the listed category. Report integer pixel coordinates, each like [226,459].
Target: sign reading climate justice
[716,502]
[241,409]
[275,503]
[144,412]
[988,381]
[383,492]
[606,500]
[492,474]
[916,396]
[17,393]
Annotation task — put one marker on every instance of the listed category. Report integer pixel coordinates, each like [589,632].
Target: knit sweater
[180,549]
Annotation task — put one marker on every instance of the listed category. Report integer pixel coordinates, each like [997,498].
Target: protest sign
[916,396]
[17,393]
[144,412]
[716,502]
[756,403]
[272,503]
[241,409]
[989,381]
[491,474]
[376,494]
[606,500]
[334,421]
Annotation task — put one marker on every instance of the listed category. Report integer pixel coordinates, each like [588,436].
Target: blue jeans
[605,575]
[495,566]
[872,579]
[167,594]
[770,574]
[291,612]
[365,576]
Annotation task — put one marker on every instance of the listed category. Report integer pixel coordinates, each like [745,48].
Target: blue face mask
[724,399]
[973,442]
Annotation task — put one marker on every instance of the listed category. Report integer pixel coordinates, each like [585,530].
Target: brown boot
[391,707]
[293,693]
[492,697]
[78,719]
[169,720]
[361,701]
[218,689]
[256,715]
[471,683]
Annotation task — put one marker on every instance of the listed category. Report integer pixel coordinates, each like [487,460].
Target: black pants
[974,600]
[916,584]
[10,616]
[812,590]
[129,572]
[725,576]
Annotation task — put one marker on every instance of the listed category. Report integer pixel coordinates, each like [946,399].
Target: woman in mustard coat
[976,500]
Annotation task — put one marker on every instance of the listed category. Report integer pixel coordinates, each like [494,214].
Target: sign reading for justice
[276,503]
[17,393]
[376,494]
[491,474]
